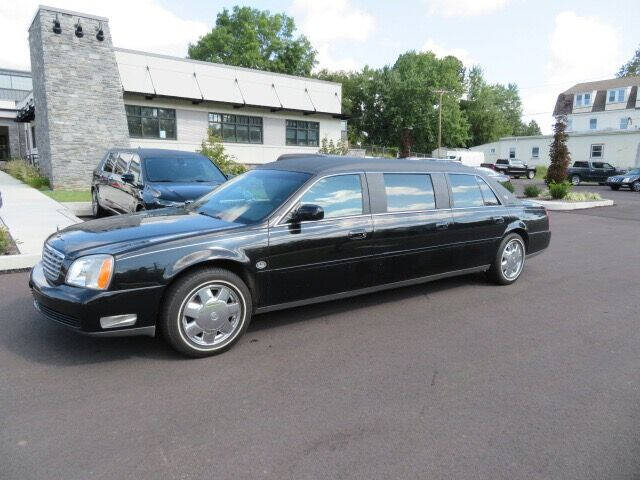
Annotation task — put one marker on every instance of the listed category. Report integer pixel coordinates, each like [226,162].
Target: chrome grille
[51,262]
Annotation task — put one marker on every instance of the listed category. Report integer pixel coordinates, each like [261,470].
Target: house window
[583,100]
[624,123]
[616,96]
[236,128]
[597,150]
[512,152]
[535,152]
[302,133]
[151,122]
[593,123]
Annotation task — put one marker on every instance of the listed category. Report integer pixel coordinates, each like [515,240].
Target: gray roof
[564,103]
[319,163]
[604,84]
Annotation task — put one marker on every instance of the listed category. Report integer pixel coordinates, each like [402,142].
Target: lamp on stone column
[56,26]
[100,34]
[79,32]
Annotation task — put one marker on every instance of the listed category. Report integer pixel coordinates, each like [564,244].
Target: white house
[603,123]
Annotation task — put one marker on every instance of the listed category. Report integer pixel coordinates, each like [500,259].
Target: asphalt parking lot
[453,379]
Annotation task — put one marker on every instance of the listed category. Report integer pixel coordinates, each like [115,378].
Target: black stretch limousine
[301,230]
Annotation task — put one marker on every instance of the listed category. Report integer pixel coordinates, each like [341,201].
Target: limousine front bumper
[93,312]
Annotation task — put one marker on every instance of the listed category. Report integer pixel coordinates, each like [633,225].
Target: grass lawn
[68,195]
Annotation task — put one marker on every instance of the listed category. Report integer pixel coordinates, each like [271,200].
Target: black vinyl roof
[319,163]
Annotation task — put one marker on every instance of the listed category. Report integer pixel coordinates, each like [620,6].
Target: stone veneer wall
[77,95]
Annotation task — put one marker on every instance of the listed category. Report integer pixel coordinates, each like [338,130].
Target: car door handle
[357,234]
[497,219]
[442,225]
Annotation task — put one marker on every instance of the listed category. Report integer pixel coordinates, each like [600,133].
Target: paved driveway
[455,379]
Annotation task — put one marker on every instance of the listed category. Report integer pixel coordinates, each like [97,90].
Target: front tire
[206,312]
[635,186]
[509,261]
[531,175]
[575,180]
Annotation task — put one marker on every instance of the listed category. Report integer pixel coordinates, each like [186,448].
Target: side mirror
[128,178]
[308,212]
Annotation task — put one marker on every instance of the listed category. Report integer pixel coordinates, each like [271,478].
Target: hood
[183,192]
[125,233]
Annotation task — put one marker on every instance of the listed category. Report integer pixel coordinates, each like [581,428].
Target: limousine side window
[488,195]
[466,192]
[339,196]
[409,192]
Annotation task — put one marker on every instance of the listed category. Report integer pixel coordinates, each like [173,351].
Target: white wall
[607,120]
[192,122]
[621,147]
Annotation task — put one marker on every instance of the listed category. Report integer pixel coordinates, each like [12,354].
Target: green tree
[213,148]
[252,38]
[558,153]
[632,67]
[493,111]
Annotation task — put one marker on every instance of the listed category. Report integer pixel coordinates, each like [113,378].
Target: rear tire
[575,180]
[509,261]
[635,186]
[206,312]
[531,175]
[96,209]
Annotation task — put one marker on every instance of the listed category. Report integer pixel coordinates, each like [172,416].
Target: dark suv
[130,180]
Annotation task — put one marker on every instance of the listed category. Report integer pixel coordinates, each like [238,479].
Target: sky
[544,46]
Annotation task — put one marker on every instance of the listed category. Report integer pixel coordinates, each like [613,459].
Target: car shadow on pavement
[28,334]
[320,310]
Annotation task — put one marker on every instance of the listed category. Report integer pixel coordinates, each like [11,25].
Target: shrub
[532,191]
[509,186]
[26,173]
[541,171]
[558,153]
[328,147]
[558,191]
[582,196]
[4,241]
[213,148]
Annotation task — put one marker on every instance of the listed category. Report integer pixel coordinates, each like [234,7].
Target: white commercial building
[603,124]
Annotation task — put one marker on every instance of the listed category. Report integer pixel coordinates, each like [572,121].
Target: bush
[213,148]
[4,241]
[509,186]
[26,173]
[558,191]
[541,172]
[329,148]
[532,191]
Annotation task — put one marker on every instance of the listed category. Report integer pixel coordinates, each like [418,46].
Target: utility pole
[440,92]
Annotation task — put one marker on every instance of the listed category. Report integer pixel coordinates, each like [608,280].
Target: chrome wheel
[211,314]
[636,186]
[512,259]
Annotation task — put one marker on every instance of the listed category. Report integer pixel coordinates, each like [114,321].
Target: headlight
[92,271]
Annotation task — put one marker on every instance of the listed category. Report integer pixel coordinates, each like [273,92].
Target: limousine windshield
[251,197]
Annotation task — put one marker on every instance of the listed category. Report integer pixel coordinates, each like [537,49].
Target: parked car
[497,176]
[630,180]
[512,168]
[130,180]
[591,172]
[288,233]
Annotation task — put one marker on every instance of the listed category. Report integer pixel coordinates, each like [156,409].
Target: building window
[583,100]
[302,133]
[535,152]
[616,96]
[151,122]
[14,82]
[512,152]
[597,150]
[624,123]
[593,123]
[492,150]
[236,128]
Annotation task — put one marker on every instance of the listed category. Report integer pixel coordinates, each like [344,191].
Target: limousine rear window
[409,192]
[466,192]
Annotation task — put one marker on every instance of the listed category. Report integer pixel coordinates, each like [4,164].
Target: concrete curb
[563,206]
[18,262]
[79,209]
